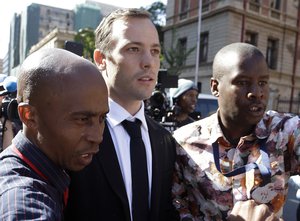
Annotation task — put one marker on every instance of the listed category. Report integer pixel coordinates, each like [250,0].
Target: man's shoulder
[152,124]
[16,174]
[9,162]
[200,127]
[13,173]
[25,201]
[279,119]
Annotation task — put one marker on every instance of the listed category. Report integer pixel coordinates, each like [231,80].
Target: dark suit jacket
[98,192]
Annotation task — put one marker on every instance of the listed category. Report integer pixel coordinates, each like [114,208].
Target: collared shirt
[121,142]
[24,194]
[202,192]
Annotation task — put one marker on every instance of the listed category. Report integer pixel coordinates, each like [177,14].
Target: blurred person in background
[184,99]
[9,121]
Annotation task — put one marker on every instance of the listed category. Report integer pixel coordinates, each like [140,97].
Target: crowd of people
[88,151]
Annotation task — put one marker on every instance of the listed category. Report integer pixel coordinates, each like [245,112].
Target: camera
[158,105]
[9,107]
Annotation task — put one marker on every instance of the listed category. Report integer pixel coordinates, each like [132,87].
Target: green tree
[158,12]
[176,56]
[86,37]
[158,16]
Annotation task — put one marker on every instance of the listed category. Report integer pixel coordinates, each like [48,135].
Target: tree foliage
[158,15]
[158,12]
[176,56]
[86,37]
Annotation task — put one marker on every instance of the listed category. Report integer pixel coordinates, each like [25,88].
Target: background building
[14,42]
[1,66]
[40,26]
[271,25]
[87,16]
[5,65]
[37,21]
[55,39]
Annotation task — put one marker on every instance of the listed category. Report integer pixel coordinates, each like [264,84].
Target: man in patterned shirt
[241,152]
[63,101]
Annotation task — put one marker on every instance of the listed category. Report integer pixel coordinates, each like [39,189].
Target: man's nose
[255,92]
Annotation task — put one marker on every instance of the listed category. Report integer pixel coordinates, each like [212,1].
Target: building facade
[5,65]
[14,42]
[37,21]
[34,26]
[55,39]
[271,25]
[1,66]
[87,16]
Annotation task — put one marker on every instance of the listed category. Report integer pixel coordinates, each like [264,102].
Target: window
[254,5]
[182,44]
[203,47]
[184,6]
[205,5]
[251,38]
[272,51]
[275,4]
[275,8]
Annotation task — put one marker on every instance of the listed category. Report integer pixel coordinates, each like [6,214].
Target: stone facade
[271,25]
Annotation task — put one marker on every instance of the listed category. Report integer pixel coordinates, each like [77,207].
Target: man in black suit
[128,55]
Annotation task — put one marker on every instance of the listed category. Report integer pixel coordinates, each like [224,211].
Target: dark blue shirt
[25,194]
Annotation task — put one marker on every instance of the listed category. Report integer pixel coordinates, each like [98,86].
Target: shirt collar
[260,131]
[117,114]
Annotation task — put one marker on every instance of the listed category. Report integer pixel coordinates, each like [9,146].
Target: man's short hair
[104,30]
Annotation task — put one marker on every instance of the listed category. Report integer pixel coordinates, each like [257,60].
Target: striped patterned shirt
[24,193]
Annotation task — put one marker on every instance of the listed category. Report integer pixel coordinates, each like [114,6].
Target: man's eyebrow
[140,43]
[85,113]
[156,45]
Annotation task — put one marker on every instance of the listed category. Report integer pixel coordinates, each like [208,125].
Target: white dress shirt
[121,142]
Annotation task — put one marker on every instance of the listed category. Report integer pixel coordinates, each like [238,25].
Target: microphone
[9,85]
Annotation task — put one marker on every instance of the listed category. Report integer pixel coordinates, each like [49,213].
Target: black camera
[157,106]
[9,107]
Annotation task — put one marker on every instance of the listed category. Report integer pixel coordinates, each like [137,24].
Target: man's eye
[102,119]
[242,83]
[155,52]
[133,49]
[263,83]
[83,119]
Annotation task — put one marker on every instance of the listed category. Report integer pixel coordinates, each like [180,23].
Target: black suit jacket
[98,192]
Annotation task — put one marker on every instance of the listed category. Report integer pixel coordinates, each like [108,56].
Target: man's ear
[27,114]
[214,83]
[100,59]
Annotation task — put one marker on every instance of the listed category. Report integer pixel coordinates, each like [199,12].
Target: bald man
[62,103]
[241,152]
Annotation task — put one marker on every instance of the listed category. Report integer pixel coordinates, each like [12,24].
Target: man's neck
[234,132]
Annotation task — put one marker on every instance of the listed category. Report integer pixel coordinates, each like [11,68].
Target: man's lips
[145,79]
[89,153]
[257,108]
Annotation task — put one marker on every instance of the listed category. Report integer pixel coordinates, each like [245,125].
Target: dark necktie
[139,174]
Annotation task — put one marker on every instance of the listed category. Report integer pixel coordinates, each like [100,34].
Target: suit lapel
[107,157]
[155,146]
